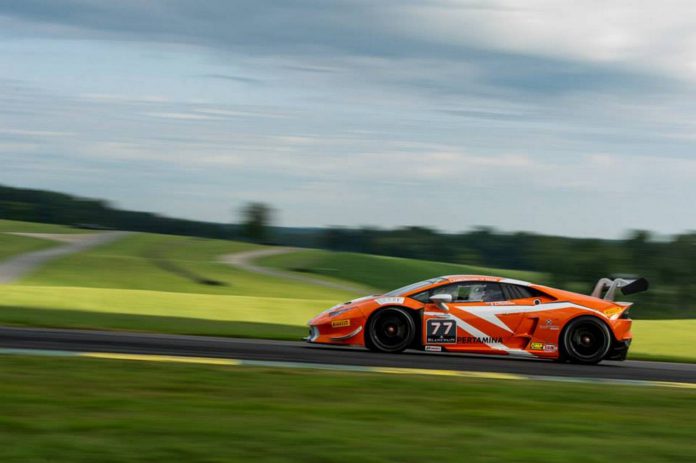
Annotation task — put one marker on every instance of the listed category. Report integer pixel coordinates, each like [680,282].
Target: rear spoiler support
[626,285]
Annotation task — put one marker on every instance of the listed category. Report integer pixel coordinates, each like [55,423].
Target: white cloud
[647,35]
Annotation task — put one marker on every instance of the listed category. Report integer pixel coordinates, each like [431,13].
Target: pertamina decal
[475,339]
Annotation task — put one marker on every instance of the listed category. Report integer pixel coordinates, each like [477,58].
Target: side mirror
[441,300]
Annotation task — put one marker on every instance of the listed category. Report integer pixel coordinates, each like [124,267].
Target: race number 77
[446,325]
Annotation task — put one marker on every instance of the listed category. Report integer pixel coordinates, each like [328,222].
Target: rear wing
[626,285]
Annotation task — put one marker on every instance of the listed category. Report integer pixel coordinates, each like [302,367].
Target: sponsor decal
[479,339]
[549,325]
[502,303]
[550,348]
[390,300]
[433,348]
[340,323]
[536,346]
[441,331]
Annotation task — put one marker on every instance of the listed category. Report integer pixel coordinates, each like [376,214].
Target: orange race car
[486,315]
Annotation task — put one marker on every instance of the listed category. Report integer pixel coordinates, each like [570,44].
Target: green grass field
[86,410]
[131,264]
[380,272]
[33,227]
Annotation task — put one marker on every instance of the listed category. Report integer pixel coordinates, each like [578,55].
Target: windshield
[412,287]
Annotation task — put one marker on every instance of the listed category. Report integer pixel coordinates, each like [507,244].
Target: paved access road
[16,267]
[245,261]
[255,349]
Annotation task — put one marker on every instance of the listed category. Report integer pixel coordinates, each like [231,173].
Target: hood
[346,305]
[341,308]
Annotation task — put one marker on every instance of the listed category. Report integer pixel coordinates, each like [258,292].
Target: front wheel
[390,330]
[585,340]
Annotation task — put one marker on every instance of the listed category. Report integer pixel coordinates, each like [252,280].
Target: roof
[457,278]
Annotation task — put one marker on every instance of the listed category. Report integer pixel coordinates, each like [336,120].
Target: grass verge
[285,311]
[665,340]
[85,410]
[51,318]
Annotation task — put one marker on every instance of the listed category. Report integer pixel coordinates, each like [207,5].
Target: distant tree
[256,222]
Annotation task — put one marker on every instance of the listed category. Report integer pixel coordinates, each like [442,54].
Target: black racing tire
[585,340]
[390,330]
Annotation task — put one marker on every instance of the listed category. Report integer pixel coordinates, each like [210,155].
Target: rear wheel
[585,340]
[390,330]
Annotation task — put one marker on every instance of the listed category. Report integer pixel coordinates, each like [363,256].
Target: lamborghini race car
[486,315]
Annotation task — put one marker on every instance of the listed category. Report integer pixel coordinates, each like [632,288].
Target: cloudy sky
[566,117]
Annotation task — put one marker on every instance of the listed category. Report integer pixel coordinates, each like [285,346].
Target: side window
[423,296]
[472,292]
[513,292]
[517,292]
[452,290]
[494,293]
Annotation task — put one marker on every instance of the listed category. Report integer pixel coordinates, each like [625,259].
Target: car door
[468,323]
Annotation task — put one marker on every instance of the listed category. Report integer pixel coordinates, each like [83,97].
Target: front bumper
[340,332]
[313,334]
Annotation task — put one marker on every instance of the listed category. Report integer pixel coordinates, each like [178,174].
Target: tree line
[59,208]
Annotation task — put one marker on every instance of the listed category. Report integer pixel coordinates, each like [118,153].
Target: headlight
[338,312]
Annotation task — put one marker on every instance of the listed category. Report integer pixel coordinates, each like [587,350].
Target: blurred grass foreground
[86,410]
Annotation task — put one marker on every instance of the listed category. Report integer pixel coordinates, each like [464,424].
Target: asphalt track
[286,351]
